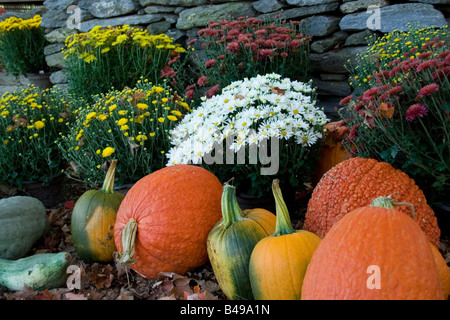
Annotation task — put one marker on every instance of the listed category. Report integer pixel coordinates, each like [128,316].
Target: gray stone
[7,79]
[265,6]
[359,38]
[158,27]
[55,60]
[320,26]
[178,10]
[187,3]
[58,77]
[353,6]
[432,1]
[53,48]
[329,43]
[53,19]
[119,21]
[159,9]
[24,15]
[58,4]
[333,77]
[59,35]
[112,8]
[225,1]
[332,88]
[308,2]
[334,61]
[302,11]
[176,34]
[396,17]
[199,16]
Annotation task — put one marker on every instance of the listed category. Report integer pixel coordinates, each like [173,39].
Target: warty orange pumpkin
[354,183]
[164,220]
[374,252]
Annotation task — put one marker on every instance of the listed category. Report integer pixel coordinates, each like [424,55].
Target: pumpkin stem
[283,221]
[108,183]
[231,212]
[389,203]
[128,240]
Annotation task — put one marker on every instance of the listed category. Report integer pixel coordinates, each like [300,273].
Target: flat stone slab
[200,16]
[395,17]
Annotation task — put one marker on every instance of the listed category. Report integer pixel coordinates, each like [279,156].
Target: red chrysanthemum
[345,100]
[426,64]
[202,80]
[428,89]
[416,110]
[210,63]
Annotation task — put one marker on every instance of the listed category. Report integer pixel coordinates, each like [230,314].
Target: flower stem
[283,221]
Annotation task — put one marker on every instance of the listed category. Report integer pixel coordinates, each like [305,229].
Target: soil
[112,281]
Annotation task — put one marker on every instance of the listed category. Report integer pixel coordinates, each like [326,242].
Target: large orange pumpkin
[443,269]
[164,220]
[373,253]
[354,183]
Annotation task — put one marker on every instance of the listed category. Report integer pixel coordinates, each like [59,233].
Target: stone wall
[338,27]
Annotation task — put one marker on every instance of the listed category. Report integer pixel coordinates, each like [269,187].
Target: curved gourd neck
[108,183]
[283,221]
[231,212]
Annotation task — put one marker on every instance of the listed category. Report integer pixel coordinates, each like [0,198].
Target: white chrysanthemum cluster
[250,111]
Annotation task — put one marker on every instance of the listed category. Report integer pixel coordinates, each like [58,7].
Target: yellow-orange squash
[374,252]
[354,183]
[164,220]
[278,263]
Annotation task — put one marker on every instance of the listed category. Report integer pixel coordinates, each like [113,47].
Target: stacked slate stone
[339,28]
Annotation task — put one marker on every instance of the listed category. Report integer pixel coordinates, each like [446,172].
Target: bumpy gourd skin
[355,183]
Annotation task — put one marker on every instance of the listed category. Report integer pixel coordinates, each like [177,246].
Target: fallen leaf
[69,204]
[74,296]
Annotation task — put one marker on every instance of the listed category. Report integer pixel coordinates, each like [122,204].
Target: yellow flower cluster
[397,45]
[394,44]
[31,121]
[100,40]
[132,125]
[15,23]
[28,110]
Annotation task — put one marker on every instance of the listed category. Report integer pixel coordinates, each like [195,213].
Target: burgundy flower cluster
[404,83]
[245,47]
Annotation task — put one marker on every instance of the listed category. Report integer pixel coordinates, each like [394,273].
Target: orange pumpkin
[443,269]
[354,183]
[332,152]
[278,262]
[164,220]
[375,252]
